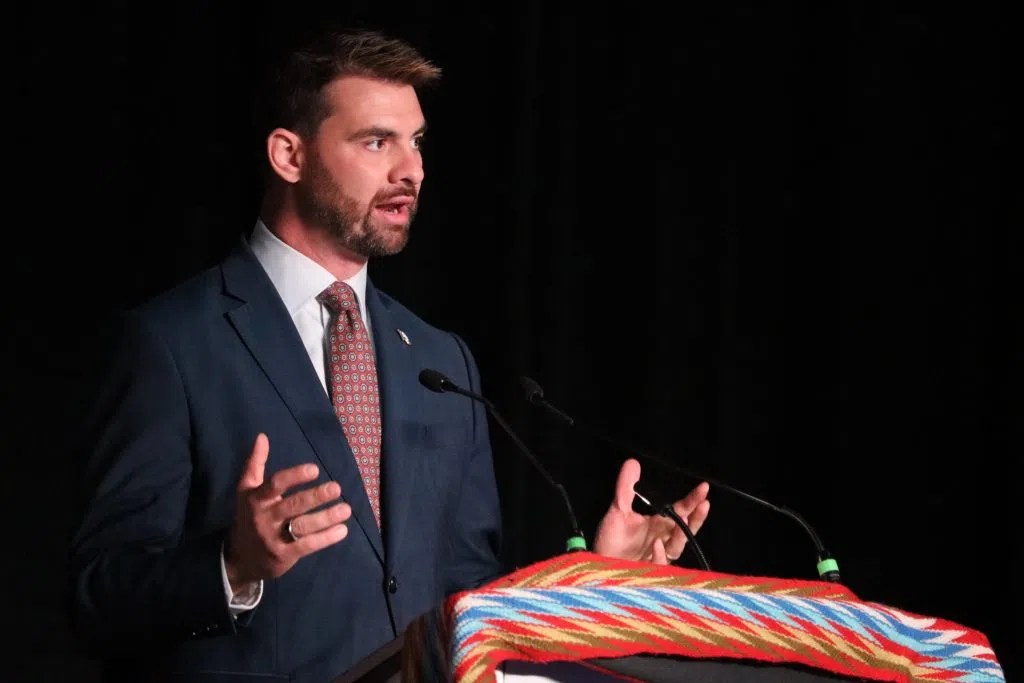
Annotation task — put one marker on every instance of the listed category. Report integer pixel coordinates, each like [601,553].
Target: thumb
[252,476]
[629,475]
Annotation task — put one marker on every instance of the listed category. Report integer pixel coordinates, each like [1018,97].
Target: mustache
[383,197]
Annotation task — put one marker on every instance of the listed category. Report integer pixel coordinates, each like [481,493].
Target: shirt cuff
[245,600]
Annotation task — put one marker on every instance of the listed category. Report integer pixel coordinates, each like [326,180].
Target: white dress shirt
[298,280]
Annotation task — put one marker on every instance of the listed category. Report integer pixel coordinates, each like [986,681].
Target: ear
[285,154]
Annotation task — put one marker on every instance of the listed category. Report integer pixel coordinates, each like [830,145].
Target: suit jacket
[194,375]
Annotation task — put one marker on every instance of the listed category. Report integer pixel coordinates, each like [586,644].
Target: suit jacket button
[392,585]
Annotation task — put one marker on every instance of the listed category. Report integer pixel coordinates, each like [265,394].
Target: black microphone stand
[439,383]
[827,567]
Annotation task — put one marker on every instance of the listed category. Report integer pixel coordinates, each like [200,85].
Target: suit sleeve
[134,574]
[474,544]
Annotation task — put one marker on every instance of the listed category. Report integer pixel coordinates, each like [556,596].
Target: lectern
[582,617]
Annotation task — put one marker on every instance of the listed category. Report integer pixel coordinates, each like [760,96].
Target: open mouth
[395,210]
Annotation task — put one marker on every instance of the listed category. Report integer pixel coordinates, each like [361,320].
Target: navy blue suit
[195,375]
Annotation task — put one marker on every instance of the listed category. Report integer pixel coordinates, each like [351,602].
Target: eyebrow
[381,132]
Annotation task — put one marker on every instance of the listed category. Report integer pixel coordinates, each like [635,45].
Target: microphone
[828,568]
[535,394]
[439,383]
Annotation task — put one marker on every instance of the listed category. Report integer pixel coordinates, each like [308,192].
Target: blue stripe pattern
[528,606]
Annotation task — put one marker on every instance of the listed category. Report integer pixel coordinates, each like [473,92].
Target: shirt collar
[298,278]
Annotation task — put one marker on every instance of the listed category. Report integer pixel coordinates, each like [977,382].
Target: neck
[314,242]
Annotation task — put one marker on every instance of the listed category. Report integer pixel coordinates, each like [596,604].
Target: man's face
[362,171]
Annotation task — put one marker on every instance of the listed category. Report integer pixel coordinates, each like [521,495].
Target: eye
[376,144]
[417,143]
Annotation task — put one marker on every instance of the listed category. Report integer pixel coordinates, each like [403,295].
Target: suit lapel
[267,330]
[401,393]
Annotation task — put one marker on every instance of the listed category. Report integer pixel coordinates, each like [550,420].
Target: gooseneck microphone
[660,508]
[439,383]
[828,568]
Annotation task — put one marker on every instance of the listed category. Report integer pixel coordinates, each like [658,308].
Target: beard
[348,223]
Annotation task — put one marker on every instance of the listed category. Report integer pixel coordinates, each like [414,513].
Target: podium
[585,618]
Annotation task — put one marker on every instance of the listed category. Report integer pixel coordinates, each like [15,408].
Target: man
[270,492]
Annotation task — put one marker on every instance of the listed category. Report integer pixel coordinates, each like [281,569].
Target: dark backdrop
[766,241]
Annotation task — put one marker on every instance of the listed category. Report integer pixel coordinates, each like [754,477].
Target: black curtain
[767,242]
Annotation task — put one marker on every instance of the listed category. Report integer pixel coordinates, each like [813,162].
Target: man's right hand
[257,547]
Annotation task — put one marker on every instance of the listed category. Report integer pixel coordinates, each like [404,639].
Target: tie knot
[339,297]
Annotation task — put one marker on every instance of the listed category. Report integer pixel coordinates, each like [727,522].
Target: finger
[277,485]
[629,475]
[694,498]
[660,555]
[685,506]
[675,539]
[676,543]
[699,514]
[693,522]
[308,524]
[255,466]
[302,502]
[694,508]
[307,545]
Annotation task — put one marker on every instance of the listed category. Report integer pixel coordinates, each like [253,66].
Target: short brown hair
[296,86]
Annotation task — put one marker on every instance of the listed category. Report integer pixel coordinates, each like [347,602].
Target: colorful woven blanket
[581,606]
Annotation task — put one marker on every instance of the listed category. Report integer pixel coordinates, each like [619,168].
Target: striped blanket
[581,606]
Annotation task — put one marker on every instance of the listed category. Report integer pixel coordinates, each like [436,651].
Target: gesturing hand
[257,546]
[628,535]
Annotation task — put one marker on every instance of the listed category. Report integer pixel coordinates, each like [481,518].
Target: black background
[767,241]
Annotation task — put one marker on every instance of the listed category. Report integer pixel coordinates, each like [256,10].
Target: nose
[408,168]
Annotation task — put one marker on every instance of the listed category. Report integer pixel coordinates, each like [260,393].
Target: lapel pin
[404,336]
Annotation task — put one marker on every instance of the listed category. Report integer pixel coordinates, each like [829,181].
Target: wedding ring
[287,532]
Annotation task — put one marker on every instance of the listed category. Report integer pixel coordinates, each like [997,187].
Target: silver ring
[289,535]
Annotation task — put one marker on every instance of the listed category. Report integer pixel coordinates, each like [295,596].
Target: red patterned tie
[352,380]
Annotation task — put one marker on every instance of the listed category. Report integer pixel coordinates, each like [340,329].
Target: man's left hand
[628,535]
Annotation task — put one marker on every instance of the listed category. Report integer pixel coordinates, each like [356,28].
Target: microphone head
[434,380]
[531,389]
